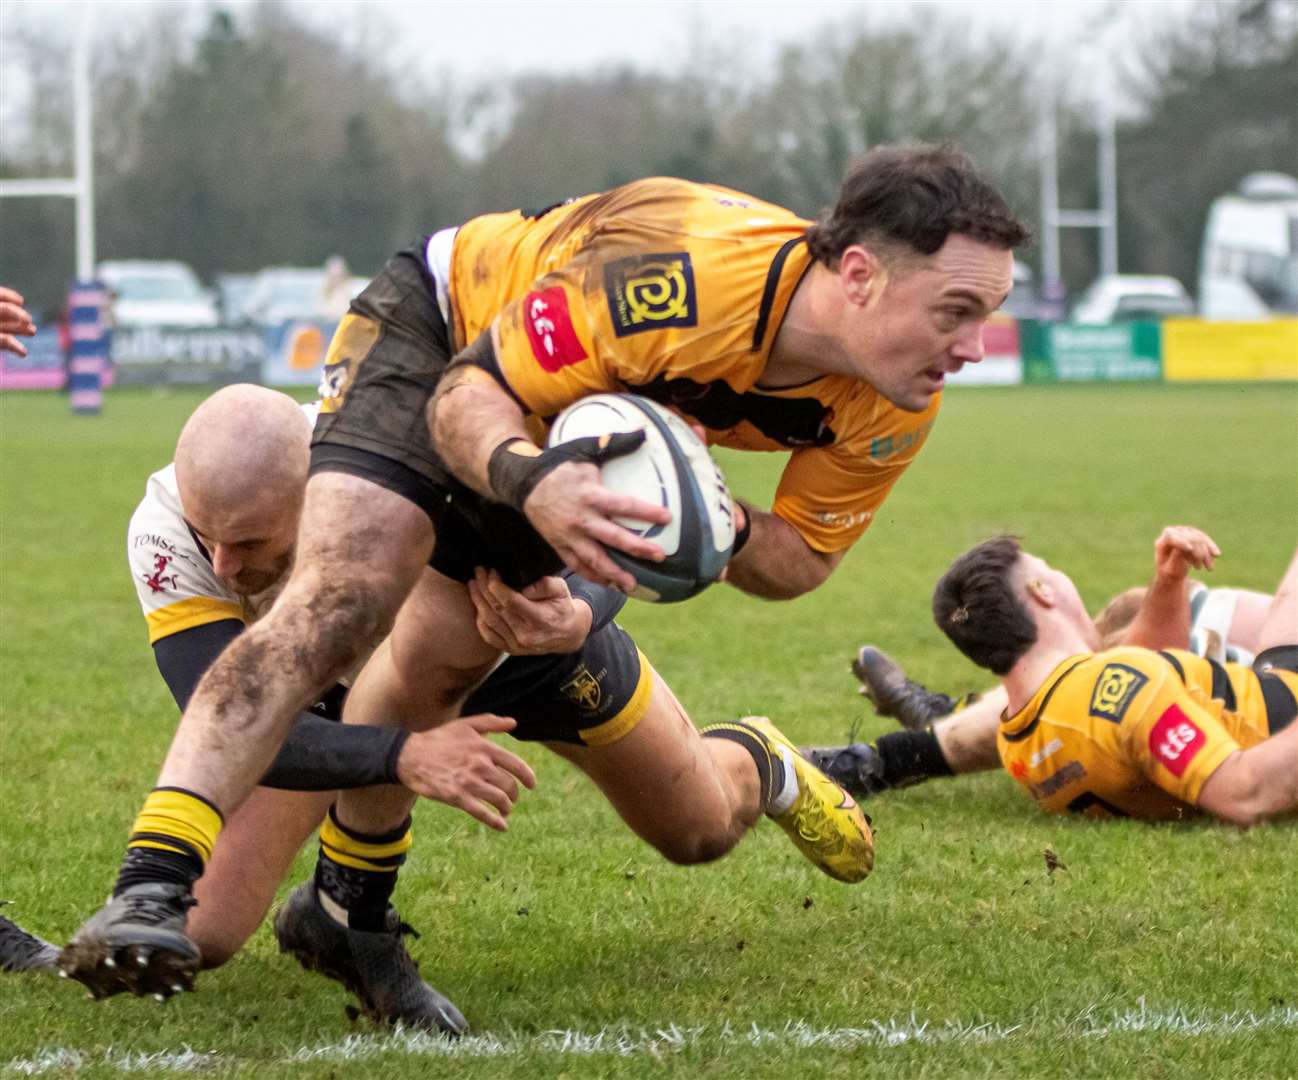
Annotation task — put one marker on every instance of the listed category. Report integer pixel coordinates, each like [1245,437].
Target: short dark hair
[914,197]
[975,606]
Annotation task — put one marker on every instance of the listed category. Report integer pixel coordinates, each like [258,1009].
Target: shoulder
[167,563]
[1124,670]
[159,520]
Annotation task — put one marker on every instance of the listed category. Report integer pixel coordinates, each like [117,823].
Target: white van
[1248,265]
[155,292]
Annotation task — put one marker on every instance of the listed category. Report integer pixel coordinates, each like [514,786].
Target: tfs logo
[550,331]
[1175,740]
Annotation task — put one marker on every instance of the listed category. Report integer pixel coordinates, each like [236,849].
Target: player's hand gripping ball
[672,468]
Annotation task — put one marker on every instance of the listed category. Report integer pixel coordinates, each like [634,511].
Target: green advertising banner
[1065,352]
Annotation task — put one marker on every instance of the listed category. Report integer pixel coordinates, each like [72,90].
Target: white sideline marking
[623,1041]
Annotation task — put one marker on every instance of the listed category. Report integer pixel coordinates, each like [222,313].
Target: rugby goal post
[81,187]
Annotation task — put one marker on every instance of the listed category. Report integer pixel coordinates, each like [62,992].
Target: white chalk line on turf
[625,1041]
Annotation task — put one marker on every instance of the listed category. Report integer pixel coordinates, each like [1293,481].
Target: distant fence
[1174,350]
[292,354]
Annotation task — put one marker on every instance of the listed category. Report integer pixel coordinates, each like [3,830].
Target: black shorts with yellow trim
[386,358]
[1277,675]
[591,698]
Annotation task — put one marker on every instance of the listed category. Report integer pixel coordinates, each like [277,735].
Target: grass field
[572,947]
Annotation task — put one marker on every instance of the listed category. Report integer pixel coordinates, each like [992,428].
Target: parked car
[155,292]
[283,293]
[1125,297]
[233,291]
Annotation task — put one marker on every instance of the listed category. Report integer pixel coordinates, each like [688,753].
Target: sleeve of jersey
[547,344]
[175,585]
[1176,742]
[831,494]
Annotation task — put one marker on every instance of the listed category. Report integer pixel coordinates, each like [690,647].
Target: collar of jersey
[1021,723]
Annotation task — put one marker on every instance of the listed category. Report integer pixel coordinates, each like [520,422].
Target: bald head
[241,468]
[242,444]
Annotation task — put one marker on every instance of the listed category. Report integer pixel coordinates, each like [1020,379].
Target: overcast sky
[473,38]
[468,41]
[476,37]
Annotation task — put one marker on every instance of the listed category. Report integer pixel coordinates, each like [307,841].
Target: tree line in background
[265,142]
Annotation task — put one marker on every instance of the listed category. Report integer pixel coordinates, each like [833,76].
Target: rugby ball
[671,468]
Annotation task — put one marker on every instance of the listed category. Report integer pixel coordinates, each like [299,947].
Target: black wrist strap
[512,476]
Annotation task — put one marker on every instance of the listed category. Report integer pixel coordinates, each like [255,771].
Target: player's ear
[861,273]
[1042,593]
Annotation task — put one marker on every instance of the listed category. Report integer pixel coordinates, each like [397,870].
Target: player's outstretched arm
[1163,621]
[1255,784]
[776,563]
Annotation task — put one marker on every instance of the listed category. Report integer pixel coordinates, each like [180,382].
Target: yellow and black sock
[172,839]
[770,766]
[356,873]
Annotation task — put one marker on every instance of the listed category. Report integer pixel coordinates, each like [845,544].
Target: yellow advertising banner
[1196,349]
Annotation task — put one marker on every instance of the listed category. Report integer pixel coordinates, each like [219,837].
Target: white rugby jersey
[174,578]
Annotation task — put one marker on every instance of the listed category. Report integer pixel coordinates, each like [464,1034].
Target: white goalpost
[81,187]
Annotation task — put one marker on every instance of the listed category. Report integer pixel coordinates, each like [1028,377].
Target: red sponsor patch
[1018,770]
[549,328]
[1175,739]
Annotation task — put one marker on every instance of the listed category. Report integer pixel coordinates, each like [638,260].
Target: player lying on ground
[209,549]
[828,341]
[1128,731]
[946,736]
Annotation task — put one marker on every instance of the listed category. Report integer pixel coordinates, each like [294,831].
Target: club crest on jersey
[160,580]
[582,690]
[649,292]
[1114,690]
[351,344]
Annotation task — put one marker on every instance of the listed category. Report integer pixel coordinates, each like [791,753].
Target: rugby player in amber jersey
[209,548]
[1126,731]
[946,736]
[828,341]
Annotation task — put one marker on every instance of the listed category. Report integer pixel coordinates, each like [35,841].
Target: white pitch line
[625,1041]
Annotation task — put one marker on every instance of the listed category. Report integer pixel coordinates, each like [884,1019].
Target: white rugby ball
[671,468]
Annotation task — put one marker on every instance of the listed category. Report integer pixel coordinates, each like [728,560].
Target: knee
[697,846]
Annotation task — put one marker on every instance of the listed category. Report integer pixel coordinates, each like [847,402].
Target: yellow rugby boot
[824,821]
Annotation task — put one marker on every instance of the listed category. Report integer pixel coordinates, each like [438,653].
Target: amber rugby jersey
[174,580]
[1132,732]
[676,291]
